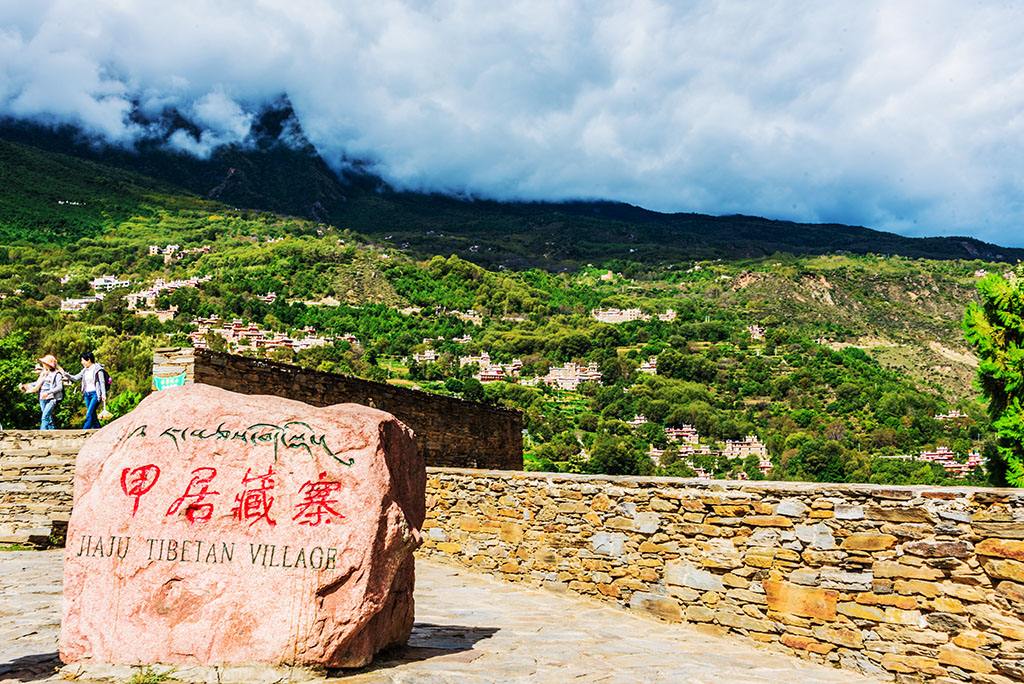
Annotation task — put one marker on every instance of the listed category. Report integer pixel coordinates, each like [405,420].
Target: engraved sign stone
[215,528]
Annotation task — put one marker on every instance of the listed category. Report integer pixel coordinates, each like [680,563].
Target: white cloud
[222,120]
[906,116]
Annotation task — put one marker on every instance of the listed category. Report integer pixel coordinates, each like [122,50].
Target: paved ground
[470,628]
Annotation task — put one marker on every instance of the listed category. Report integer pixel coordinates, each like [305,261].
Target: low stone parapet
[37,469]
[905,583]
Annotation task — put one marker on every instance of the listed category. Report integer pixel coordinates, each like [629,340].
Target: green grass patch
[148,675]
[17,547]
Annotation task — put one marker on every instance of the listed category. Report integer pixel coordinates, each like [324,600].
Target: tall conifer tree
[994,327]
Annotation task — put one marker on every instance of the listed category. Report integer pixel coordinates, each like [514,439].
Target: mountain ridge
[279,170]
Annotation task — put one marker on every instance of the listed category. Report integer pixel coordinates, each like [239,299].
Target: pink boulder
[215,528]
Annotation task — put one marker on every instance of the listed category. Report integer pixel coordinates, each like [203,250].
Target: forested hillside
[834,362]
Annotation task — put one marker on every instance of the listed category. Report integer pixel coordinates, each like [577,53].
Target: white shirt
[91,382]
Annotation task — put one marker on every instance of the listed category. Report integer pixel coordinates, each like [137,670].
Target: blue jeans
[46,409]
[92,402]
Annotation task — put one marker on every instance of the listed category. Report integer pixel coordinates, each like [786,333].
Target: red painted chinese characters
[254,503]
[319,503]
[135,482]
[197,509]
[318,506]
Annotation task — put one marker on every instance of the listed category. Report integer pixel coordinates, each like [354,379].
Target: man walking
[93,377]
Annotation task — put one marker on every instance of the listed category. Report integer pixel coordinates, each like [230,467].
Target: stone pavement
[470,628]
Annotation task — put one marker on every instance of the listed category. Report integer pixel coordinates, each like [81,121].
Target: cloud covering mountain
[903,116]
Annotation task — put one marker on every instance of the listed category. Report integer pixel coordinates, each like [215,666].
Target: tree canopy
[995,329]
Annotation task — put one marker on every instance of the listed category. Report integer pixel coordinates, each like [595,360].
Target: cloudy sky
[907,116]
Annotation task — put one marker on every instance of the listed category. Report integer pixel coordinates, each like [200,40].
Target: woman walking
[50,387]
[94,388]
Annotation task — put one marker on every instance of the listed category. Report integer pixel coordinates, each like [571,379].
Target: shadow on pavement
[30,668]
[430,641]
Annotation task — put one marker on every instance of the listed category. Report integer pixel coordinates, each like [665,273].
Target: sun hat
[49,360]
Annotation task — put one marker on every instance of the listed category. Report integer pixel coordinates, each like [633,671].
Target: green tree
[473,390]
[214,342]
[615,456]
[17,409]
[994,327]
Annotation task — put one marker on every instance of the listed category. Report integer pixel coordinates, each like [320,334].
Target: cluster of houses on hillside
[106,283]
[568,377]
[470,316]
[743,448]
[686,441]
[615,316]
[146,299]
[142,301]
[431,355]
[173,253]
[80,303]
[650,366]
[945,457]
[461,339]
[686,434]
[428,355]
[489,371]
[242,336]
[100,286]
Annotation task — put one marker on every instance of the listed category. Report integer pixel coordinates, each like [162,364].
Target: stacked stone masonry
[449,431]
[902,583]
[37,472]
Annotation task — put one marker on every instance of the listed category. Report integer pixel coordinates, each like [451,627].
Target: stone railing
[37,470]
[905,583]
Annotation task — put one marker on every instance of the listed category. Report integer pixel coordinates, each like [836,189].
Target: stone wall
[37,472]
[449,431]
[904,583]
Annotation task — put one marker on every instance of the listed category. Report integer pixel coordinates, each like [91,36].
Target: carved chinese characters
[216,528]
